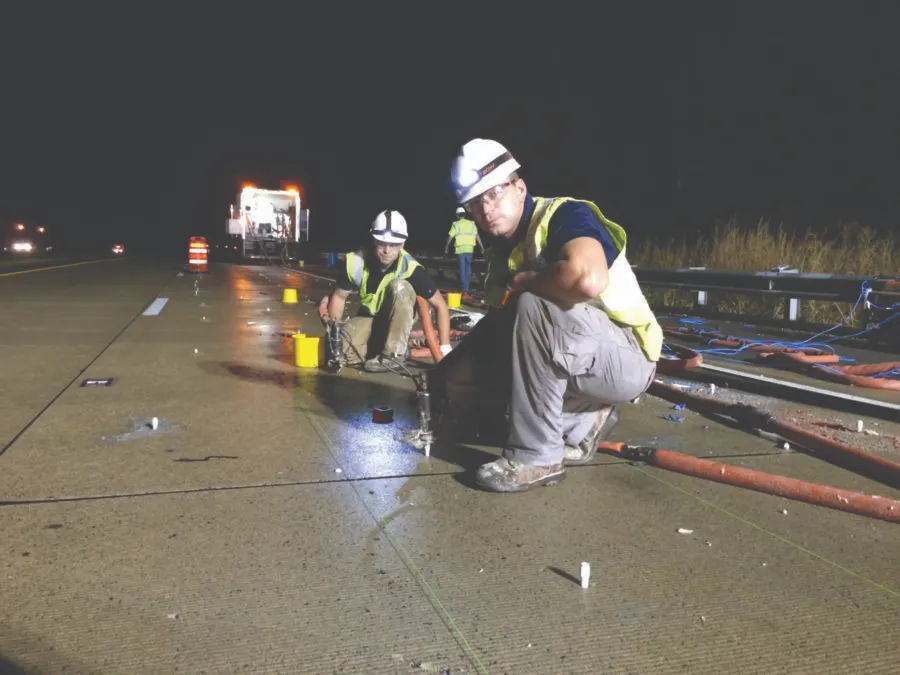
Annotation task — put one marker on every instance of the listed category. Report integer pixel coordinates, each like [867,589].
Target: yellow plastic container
[290,296]
[306,351]
[453,300]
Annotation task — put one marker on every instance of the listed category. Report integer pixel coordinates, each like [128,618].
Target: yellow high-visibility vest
[358,273]
[622,300]
[464,232]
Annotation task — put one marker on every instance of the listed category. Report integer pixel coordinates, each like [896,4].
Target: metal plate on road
[98,383]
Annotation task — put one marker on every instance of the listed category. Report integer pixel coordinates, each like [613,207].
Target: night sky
[139,126]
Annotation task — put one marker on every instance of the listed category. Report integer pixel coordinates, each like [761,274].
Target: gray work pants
[388,331]
[567,365]
[552,368]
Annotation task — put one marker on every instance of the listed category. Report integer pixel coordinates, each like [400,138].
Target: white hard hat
[481,165]
[389,227]
[460,211]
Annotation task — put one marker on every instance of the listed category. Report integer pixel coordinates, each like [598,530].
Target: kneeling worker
[388,280]
[574,339]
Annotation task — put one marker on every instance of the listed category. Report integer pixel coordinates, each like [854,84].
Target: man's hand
[521,281]
[335,307]
[578,276]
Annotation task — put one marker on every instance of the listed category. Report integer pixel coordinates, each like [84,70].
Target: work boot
[576,455]
[384,364]
[506,475]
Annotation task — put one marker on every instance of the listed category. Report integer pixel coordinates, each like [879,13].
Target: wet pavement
[266,524]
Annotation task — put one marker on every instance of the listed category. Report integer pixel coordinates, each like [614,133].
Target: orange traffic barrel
[198,254]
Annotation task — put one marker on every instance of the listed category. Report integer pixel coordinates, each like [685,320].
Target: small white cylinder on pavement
[585,574]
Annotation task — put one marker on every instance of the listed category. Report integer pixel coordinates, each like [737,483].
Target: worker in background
[465,234]
[388,280]
[569,335]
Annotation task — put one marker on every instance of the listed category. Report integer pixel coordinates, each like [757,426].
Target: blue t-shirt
[570,221]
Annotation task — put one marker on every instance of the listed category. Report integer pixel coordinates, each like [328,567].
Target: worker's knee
[401,291]
[400,286]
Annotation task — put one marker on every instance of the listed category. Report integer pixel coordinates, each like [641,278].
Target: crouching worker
[569,335]
[388,280]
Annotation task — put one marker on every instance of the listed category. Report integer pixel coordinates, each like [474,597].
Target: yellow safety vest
[358,273]
[622,300]
[464,232]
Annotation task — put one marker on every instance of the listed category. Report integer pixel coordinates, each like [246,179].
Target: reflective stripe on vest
[358,274]
[465,236]
[622,300]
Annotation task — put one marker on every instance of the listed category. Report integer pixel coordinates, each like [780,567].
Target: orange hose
[734,343]
[780,486]
[434,347]
[842,374]
[869,368]
[876,468]
[822,363]
[859,375]
[797,357]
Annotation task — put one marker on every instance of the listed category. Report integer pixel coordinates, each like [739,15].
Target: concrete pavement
[267,525]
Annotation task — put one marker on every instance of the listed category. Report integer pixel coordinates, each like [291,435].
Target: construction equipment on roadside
[270,223]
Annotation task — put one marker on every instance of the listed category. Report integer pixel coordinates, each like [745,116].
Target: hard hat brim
[387,238]
[496,177]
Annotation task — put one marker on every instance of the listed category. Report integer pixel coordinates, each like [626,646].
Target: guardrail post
[793,303]
[702,298]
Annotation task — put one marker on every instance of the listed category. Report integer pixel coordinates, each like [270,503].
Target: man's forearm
[443,317]
[561,282]
[336,306]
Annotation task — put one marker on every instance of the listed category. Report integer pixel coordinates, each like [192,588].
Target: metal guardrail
[782,282]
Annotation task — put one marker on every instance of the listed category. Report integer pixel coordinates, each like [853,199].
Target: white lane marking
[155,307]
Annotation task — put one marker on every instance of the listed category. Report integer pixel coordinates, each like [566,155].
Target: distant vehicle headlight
[23,247]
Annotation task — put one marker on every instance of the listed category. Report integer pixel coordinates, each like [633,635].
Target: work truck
[270,223]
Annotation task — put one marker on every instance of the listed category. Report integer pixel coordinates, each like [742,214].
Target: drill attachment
[335,346]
